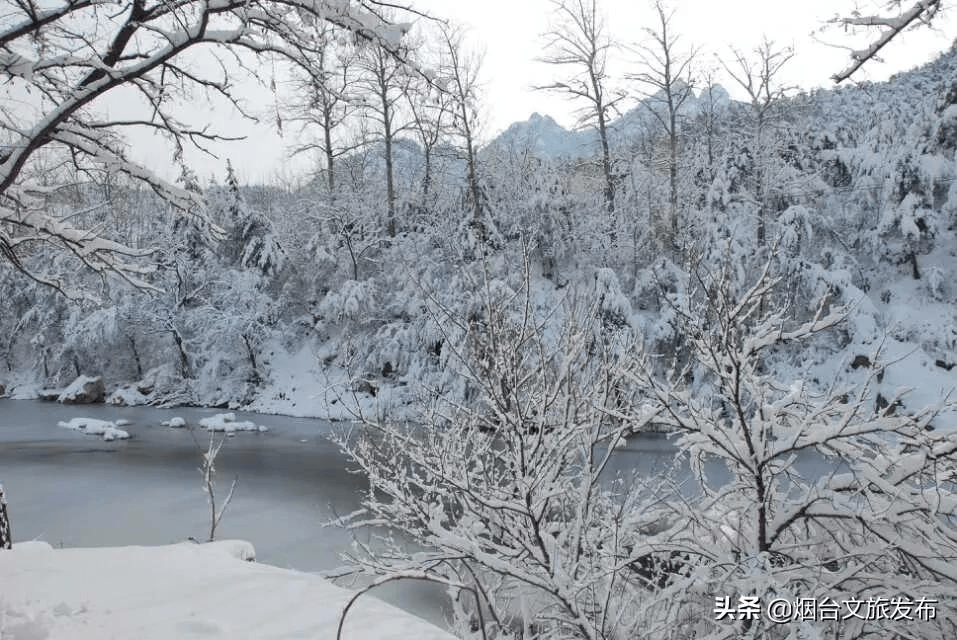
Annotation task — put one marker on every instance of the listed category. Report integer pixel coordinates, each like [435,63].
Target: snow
[175,423]
[25,391]
[77,388]
[127,397]
[91,426]
[183,591]
[301,386]
[226,422]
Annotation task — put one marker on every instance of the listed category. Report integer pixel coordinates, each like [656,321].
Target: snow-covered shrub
[828,496]
[512,474]
[614,307]
[509,499]
[934,282]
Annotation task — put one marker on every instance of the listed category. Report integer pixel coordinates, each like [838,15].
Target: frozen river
[75,490]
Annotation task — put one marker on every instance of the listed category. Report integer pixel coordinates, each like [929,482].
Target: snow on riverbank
[180,592]
[300,385]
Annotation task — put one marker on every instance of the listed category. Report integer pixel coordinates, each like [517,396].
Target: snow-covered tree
[250,240]
[579,43]
[65,59]
[759,74]
[459,73]
[667,75]
[505,490]
[801,490]
[828,497]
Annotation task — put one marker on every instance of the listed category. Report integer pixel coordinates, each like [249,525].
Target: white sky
[510,32]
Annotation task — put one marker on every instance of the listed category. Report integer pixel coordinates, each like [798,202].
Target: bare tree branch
[922,11]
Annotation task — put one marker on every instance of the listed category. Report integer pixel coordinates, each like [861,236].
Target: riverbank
[297,386]
[185,591]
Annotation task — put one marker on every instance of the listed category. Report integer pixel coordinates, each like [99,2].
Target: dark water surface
[75,490]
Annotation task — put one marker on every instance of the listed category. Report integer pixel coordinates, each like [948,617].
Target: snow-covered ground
[180,592]
[301,386]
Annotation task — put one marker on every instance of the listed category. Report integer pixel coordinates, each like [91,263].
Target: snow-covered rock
[159,380]
[175,423]
[127,397]
[83,390]
[226,422]
[94,427]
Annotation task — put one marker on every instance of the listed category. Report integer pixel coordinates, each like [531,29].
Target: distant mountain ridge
[542,137]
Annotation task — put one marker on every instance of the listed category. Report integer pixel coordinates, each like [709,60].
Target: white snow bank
[227,423]
[94,427]
[299,385]
[175,423]
[33,546]
[184,591]
[27,391]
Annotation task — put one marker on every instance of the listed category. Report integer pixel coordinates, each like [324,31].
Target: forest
[766,281]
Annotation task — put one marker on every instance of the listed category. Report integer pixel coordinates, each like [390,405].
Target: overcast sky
[510,33]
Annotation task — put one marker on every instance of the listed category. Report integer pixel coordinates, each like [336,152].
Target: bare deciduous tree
[666,71]
[580,42]
[325,100]
[759,75]
[460,71]
[430,109]
[387,79]
[208,470]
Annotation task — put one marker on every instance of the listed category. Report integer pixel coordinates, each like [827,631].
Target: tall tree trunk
[389,181]
[136,357]
[673,166]
[330,156]
[474,190]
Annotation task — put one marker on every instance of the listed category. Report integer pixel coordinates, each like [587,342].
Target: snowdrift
[180,592]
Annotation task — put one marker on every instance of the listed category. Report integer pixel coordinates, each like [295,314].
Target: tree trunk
[673,165]
[184,367]
[387,133]
[330,157]
[6,537]
[136,357]
[474,190]
[606,164]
